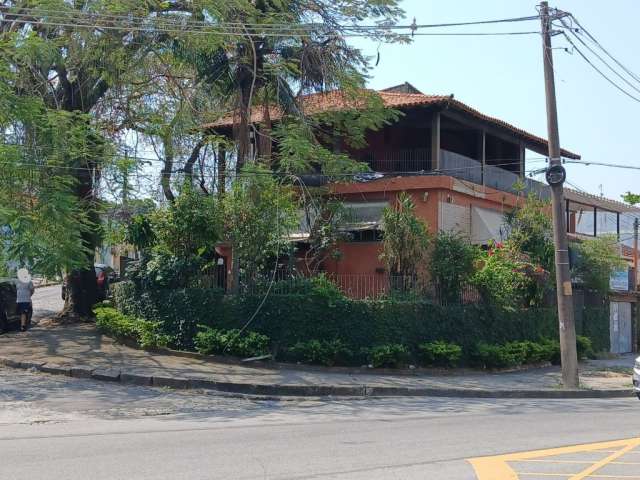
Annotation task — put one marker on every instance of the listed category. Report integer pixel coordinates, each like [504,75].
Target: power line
[603,164]
[599,57]
[213,31]
[595,41]
[503,162]
[179,19]
[584,57]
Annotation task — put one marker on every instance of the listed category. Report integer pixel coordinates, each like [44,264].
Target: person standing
[24,291]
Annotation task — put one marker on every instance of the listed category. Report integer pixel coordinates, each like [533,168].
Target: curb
[272,390]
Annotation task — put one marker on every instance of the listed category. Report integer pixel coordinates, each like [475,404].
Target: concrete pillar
[435,141]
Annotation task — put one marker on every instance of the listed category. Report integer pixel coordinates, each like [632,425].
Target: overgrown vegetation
[597,259]
[452,263]
[406,238]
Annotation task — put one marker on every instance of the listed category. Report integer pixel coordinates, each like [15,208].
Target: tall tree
[281,50]
[70,62]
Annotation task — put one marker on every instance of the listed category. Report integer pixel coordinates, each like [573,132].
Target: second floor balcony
[418,161]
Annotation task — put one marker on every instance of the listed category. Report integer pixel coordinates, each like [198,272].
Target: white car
[636,377]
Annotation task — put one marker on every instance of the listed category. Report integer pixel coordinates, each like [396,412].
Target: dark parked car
[105,275]
[8,316]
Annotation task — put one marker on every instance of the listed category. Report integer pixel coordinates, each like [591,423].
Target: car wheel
[638,395]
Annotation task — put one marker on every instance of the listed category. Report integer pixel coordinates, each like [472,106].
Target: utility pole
[635,255]
[555,178]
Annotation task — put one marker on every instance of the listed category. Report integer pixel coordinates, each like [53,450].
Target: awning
[486,225]
[359,216]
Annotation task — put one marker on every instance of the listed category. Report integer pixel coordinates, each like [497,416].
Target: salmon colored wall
[357,258]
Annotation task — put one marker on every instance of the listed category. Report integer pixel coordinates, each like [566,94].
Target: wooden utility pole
[635,254]
[555,178]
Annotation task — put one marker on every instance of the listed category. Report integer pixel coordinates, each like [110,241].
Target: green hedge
[289,320]
[146,333]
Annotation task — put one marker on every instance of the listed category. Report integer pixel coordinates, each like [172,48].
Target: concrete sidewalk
[80,350]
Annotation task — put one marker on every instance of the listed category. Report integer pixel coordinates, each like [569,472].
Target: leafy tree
[259,213]
[597,259]
[261,66]
[530,231]
[631,198]
[177,240]
[104,82]
[47,220]
[451,264]
[70,72]
[406,238]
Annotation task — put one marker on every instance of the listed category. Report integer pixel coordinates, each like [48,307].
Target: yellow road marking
[497,467]
[545,474]
[615,476]
[533,460]
[598,465]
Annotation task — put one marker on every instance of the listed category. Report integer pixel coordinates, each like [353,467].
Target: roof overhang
[336,101]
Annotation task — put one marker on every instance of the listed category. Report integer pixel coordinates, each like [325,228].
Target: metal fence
[408,160]
[354,286]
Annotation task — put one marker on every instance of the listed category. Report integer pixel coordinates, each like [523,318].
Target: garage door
[620,327]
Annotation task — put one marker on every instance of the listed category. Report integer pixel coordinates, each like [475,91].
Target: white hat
[24,276]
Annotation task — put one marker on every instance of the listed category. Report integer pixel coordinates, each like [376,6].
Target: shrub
[322,352]
[391,355]
[451,265]
[538,352]
[502,279]
[146,333]
[499,356]
[233,342]
[440,353]
[584,347]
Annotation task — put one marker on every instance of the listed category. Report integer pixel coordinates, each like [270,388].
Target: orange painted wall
[358,258]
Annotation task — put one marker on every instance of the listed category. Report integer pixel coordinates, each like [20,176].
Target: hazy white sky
[502,76]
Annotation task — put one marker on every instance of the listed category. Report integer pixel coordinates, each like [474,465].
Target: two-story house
[463,169]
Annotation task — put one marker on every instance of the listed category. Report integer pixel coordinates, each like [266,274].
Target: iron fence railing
[418,160]
[354,286]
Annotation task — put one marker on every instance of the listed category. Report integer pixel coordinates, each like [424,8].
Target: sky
[502,76]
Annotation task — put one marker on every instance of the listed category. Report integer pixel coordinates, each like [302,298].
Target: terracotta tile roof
[335,100]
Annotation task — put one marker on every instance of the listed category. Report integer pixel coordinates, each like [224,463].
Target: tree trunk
[188,166]
[222,170]
[82,294]
[242,134]
[167,169]
[265,143]
[82,288]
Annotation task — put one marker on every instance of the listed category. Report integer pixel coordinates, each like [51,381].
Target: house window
[362,236]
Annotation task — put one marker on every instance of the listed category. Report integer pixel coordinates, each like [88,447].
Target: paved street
[58,427]
[47,301]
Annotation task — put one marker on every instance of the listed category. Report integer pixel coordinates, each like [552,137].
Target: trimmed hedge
[296,319]
[248,344]
[116,324]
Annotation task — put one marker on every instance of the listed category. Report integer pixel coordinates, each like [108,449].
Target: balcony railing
[458,166]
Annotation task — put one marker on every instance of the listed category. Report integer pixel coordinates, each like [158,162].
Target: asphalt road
[64,428]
